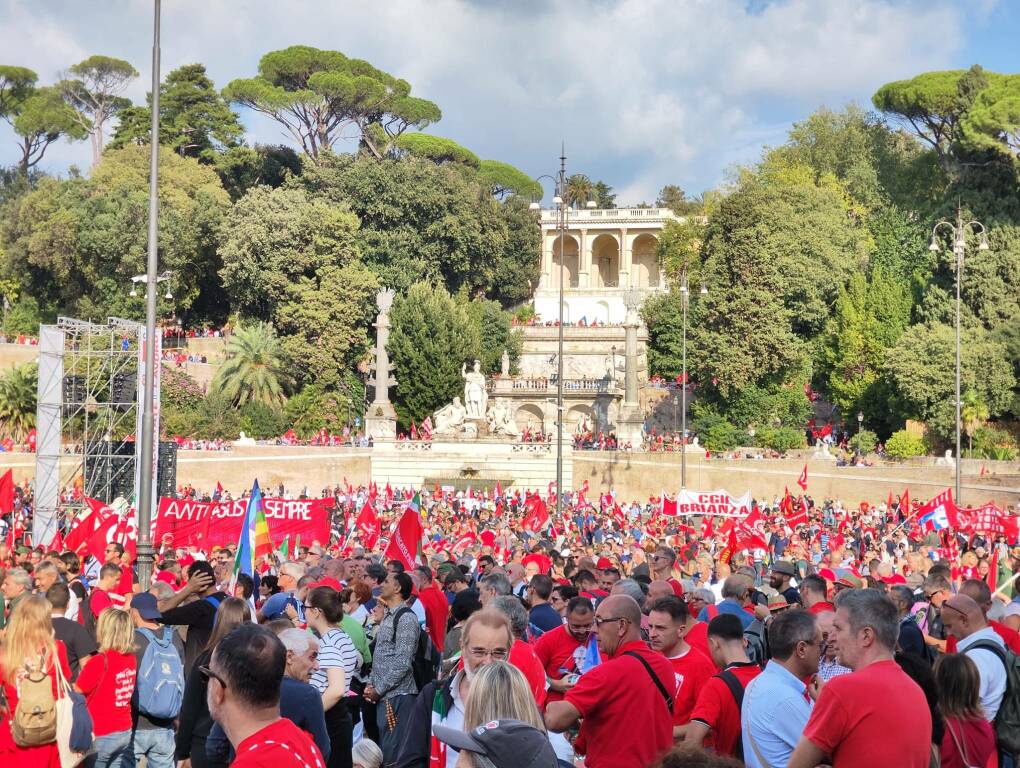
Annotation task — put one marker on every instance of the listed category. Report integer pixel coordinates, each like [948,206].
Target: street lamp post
[145,550]
[684,301]
[860,425]
[560,201]
[958,230]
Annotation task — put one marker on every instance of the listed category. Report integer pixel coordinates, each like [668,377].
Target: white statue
[475,397]
[501,419]
[504,365]
[449,418]
[947,460]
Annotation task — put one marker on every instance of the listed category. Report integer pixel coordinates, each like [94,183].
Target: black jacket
[416,744]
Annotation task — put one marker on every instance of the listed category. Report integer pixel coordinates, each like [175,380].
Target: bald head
[658,590]
[621,607]
[962,616]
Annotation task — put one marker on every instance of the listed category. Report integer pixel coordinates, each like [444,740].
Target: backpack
[86,617]
[1007,719]
[427,658]
[35,718]
[757,646]
[160,676]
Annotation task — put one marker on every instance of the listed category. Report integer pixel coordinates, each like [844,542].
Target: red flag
[463,542]
[993,569]
[706,528]
[7,492]
[219,490]
[802,480]
[369,525]
[537,516]
[104,533]
[794,519]
[669,506]
[405,545]
[499,490]
[619,517]
[81,531]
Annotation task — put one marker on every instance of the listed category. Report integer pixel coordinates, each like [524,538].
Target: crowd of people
[614,637]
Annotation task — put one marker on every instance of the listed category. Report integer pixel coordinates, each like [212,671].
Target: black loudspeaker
[73,393]
[123,390]
[109,469]
[166,476]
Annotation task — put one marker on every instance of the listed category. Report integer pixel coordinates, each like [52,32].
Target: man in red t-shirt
[556,648]
[667,628]
[663,562]
[854,721]
[244,677]
[715,719]
[100,597]
[125,585]
[437,607]
[625,703]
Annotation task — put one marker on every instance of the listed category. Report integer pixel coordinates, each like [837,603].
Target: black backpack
[427,658]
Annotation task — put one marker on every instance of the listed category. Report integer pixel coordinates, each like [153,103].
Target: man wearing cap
[779,579]
[152,737]
[276,606]
[633,684]
[504,743]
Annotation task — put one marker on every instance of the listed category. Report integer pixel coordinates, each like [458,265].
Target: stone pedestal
[381,421]
[630,425]
[381,418]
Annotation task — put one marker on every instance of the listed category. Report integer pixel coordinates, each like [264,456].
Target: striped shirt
[336,651]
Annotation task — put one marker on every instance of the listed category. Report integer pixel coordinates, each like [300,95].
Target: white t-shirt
[336,651]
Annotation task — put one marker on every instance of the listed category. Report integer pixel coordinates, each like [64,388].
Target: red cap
[896,578]
[603,563]
[168,578]
[827,574]
[330,582]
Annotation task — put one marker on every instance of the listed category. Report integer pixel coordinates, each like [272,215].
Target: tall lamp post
[145,550]
[958,230]
[684,301]
[860,426]
[560,201]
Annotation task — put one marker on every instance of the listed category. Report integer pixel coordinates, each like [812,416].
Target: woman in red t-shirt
[29,647]
[969,738]
[108,681]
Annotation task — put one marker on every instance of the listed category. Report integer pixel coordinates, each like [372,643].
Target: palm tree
[254,369]
[973,413]
[18,399]
[580,190]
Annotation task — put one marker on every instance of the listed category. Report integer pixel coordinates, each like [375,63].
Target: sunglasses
[208,673]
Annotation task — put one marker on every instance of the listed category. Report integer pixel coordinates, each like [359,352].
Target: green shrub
[780,439]
[261,421]
[991,442]
[864,441]
[904,445]
[722,436]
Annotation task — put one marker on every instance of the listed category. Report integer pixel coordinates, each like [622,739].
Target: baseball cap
[603,563]
[506,743]
[145,604]
[330,582]
[851,581]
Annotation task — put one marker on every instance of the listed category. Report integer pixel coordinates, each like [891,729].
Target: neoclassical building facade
[605,252]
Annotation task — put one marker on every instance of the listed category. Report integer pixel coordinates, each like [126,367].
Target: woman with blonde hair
[108,681]
[499,691]
[194,721]
[29,649]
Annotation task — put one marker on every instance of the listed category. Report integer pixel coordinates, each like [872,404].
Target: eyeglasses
[208,673]
[600,620]
[929,595]
[496,654]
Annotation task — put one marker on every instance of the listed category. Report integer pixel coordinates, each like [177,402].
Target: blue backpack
[160,677]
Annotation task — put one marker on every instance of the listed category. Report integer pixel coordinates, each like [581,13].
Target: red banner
[987,519]
[207,524]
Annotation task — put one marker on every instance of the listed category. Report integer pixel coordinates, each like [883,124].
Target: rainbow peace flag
[254,539]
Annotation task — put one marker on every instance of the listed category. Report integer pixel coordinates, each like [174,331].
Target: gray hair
[297,640]
[46,567]
[290,568]
[871,608]
[705,594]
[162,590]
[22,577]
[735,586]
[367,753]
[632,589]
[497,583]
[514,610]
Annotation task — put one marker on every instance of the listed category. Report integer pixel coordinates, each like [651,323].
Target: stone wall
[634,475]
[640,475]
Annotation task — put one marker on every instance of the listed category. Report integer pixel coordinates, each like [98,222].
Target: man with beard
[487,637]
[779,579]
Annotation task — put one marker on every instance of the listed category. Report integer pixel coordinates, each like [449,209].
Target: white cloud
[644,92]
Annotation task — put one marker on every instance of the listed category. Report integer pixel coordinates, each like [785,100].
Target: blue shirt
[775,711]
[729,606]
[276,605]
[545,617]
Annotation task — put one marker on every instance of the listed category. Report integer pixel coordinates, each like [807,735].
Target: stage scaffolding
[87,417]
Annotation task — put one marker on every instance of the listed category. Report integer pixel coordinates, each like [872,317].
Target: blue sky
[643,92]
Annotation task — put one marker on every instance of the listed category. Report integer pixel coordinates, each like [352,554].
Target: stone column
[547,262]
[630,424]
[381,419]
[625,260]
[584,261]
